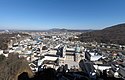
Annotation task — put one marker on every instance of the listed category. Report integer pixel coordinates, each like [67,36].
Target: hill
[114,34]
[13,68]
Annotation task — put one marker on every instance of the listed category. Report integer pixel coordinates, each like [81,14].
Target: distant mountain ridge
[69,30]
[51,30]
[114,34]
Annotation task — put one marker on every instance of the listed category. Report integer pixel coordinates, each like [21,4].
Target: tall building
[77,54]
[61,51]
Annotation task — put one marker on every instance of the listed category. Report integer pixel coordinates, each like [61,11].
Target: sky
[69,14]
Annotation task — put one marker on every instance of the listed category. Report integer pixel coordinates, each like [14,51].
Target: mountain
[68,30]
[114,34]
[58,30]
[48,30]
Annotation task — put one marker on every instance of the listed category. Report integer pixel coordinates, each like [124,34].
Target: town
[44,50]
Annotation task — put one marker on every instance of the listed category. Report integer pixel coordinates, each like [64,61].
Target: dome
[77,49]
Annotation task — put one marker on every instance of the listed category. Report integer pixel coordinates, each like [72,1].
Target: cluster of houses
[103,64]
[56,51]
[42,53]
[108,46]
